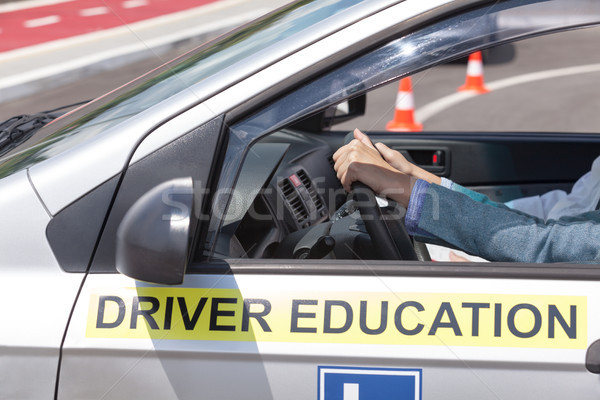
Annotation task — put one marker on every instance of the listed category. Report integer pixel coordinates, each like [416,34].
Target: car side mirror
[153,239]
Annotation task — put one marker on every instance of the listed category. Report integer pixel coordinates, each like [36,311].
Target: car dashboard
[284,200]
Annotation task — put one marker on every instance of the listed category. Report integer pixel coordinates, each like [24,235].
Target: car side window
[435,44]
[523,94]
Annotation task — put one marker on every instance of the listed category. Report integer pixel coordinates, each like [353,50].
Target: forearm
[498,233]
[419,173]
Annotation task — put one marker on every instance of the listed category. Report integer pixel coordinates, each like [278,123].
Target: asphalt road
[89,87]
[569,103]
[543,102]
[53,20]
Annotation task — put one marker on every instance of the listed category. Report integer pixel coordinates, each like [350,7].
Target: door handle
[435,161]
[592,358]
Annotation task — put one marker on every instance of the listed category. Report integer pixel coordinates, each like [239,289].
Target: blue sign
[348,383]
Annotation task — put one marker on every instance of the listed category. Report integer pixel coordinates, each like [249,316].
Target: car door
[280,327]
[36,294]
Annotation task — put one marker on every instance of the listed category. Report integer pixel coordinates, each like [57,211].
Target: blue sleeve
[478,197]
[495,232]
[414,209]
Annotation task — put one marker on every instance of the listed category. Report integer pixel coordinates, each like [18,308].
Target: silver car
[185,236]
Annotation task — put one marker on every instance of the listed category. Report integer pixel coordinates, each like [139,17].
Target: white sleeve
[538,206]
[584,197]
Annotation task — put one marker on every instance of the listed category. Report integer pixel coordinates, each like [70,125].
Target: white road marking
[437,106]
[198,12]
[22,5]
[35,23]
[90,12]
[134,3]
[73,64]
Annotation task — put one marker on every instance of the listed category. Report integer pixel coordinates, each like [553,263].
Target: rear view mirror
[345,111]
[153,239]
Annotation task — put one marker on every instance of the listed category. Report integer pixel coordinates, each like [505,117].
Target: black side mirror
[153,239]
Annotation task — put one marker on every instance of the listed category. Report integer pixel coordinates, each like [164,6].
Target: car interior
[288,203]
[301,210]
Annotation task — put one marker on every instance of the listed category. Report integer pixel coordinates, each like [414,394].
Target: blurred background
[59,52]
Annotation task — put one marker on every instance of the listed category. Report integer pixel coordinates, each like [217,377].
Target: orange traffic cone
[404,118]
[474,81]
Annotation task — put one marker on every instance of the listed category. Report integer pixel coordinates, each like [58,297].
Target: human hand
[397,160]
[360,161]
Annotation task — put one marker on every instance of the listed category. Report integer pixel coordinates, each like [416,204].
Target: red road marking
[62,20]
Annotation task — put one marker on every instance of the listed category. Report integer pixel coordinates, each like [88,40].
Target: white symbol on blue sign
[345,383]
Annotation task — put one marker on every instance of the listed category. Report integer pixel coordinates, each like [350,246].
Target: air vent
[311,189]
[291,195]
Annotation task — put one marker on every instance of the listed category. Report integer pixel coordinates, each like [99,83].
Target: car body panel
[35,311]
[191,339]
[499,331]
[281,359]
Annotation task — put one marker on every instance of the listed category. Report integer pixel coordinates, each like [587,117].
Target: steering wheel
[388,234]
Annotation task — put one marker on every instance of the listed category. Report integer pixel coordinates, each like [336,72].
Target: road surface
[542,84]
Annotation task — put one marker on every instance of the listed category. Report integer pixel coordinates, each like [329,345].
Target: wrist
[401,189]
[427,176]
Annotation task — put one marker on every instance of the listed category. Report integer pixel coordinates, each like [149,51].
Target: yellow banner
[449,319]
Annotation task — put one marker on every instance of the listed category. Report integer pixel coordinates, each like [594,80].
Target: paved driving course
[543,84]
[61,19]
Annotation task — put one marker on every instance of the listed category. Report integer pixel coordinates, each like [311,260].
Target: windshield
[168,80]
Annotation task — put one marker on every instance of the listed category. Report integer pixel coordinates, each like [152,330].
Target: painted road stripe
[36,23]
[24,5]
[134,3]
[166,19]
[80,62]
[73,24]
[444,103]
[90,12]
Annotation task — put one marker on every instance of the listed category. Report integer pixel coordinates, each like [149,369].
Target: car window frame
[247,129]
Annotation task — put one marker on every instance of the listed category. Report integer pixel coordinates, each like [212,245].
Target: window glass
[449,40]
[543,84]
[168,80]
